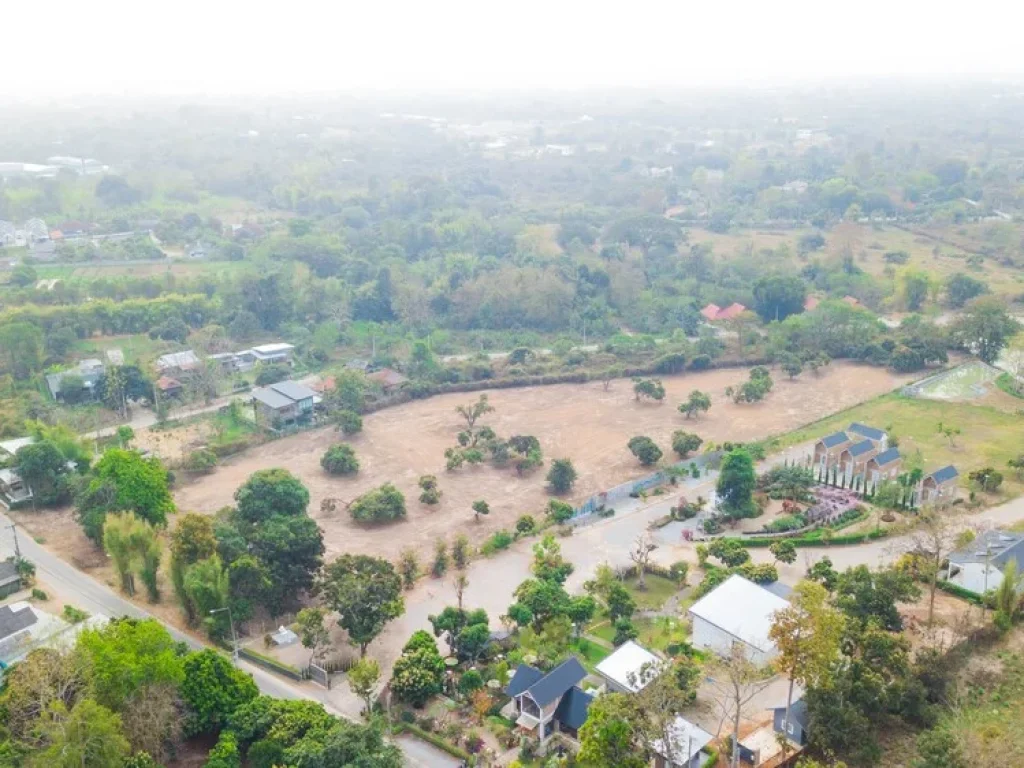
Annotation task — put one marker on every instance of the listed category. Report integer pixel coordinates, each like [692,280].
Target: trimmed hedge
[437,741]
[957,591]
[817,541]
[272,665]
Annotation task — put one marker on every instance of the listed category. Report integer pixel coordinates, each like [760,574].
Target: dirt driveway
[582,422]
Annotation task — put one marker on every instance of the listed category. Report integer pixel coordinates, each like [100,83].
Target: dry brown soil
[579,421]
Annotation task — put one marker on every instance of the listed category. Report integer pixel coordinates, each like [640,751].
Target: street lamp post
[234,637]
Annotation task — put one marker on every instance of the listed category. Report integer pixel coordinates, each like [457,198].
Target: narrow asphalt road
[96,598]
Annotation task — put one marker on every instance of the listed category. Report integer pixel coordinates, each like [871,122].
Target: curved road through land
[98,599]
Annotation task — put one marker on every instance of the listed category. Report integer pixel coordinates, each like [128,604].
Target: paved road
[144,418]
[97,599]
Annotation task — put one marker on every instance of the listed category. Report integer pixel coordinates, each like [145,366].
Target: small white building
[737,611]
[684,748]
[279,352]
[979,566]
[629,669]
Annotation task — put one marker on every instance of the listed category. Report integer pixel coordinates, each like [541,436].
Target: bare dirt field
[579,421]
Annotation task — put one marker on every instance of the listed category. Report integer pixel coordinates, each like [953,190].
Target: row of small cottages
[862,453]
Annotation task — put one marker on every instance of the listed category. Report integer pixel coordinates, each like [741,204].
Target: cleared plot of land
[579,421]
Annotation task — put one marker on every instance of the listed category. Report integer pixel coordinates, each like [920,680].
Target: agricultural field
[939,252]
[582,422]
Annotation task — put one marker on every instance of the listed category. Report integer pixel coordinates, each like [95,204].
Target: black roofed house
[877,436]
[853,461]
[550,703]
[939,485]
[15,621]
[827,450]
[883,466]
[10,580]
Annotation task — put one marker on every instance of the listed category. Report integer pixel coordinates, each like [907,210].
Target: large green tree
[776,297]
[985,328]
[128,654]
[212,689]
[736,483]
[271,492]
[367,594]
[88,736]
[124,481]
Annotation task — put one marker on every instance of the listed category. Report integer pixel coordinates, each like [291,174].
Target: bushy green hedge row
[957,591]
[817,541]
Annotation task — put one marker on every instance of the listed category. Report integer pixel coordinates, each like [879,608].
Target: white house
[629,669]
[737,611]
[979,566]
[686,742]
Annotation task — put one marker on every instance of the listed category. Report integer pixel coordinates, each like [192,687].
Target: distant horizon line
[142,93]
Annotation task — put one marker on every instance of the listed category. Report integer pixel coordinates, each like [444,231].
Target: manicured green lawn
[988,436]
[589,652]
[656,633]
[658,590]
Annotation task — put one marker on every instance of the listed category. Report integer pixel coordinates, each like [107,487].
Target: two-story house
[284,401]
[550,703]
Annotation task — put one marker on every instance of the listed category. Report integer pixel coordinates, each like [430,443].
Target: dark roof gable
[12,621]
[861,448]
[887,457]
[836,438]
[865,431]
[944,475]
[521,681]
[572,709]
[557,681]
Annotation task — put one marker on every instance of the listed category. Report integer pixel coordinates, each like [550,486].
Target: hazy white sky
[58,47]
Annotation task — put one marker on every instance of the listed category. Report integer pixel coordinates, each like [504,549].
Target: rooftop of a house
[8,572]
[687,740]
[836,438]
[276,348]
[9,476]
[631,665]
[388,377]
[743,609]
[859,449]
[572,709]
[943,475]
[165,383]
[811,302]
[996,547]
[872,433]
[887,457]
[545,689]
[15,618]
[184,359]
[271,398]
[11,446]
[293,390]
[852,301]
